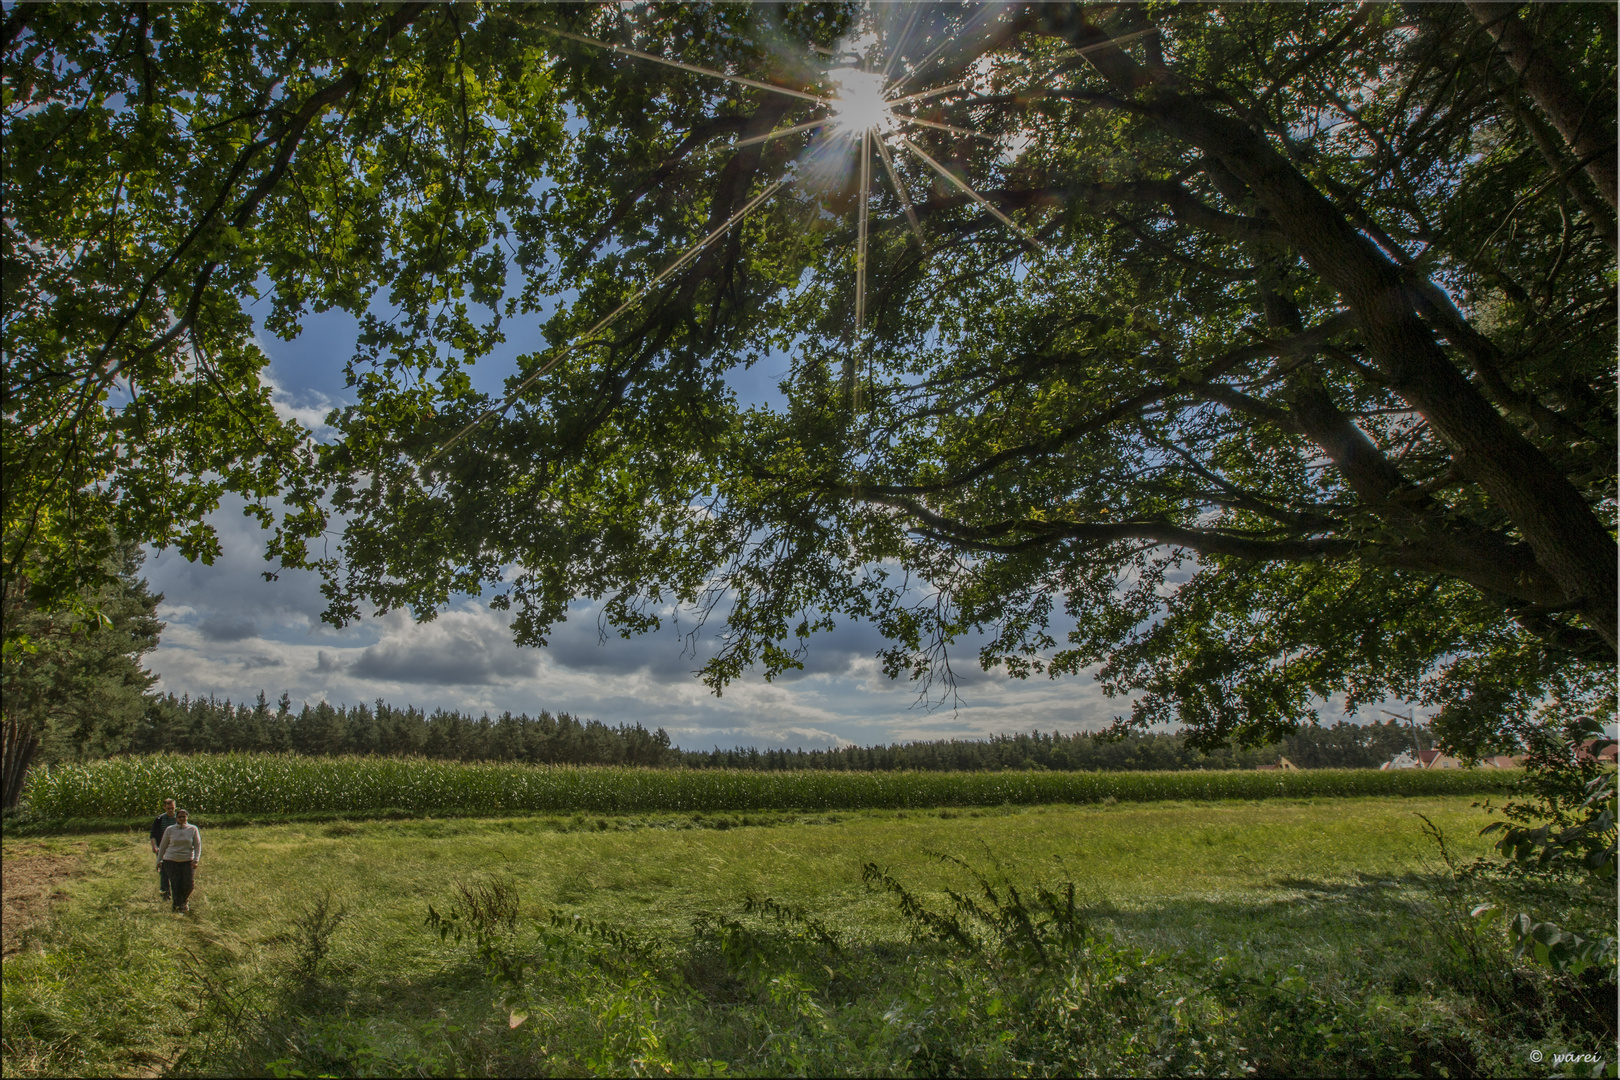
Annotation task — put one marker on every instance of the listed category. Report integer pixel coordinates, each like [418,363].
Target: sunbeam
[900,190]
[860,268]
[952,128]
[857,114]
[607,320]
[694,68]
[967,189]
[769,136]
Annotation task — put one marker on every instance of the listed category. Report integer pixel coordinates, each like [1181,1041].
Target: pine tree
[71,682]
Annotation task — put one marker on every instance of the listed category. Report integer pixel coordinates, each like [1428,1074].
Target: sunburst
[864,100]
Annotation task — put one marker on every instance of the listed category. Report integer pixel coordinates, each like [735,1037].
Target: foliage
[72,683]
[1304,387]
[1565,827]
[282,784]
[161,166]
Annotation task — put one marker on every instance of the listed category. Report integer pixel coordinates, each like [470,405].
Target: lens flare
[860,122]
[858,104]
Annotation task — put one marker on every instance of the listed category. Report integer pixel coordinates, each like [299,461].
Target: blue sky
[232,634]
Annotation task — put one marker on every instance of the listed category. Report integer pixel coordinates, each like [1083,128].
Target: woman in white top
[181,851]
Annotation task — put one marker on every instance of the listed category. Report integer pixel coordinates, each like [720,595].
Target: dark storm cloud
[667,655]
[836,651]
[452,651]
[232,593]
[227,628]
[672,655]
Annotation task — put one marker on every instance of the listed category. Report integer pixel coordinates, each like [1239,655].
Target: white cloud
[232,634]
[309,407]
[459,648]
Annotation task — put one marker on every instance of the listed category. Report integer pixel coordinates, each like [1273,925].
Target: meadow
[1276,936]
[279,784]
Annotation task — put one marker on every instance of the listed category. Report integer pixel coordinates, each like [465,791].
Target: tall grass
[286,784]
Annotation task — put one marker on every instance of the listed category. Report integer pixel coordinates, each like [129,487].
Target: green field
[1284,936]
[270,784]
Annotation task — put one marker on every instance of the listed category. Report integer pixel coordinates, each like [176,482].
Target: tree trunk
[1590,137]
[1569,541]
[19,741]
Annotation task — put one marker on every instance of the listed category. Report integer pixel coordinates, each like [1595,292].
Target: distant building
[1283,764]
[1423,759]
[1434,759]
[1609,753]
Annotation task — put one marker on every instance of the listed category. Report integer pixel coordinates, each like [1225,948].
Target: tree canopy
[1248,354]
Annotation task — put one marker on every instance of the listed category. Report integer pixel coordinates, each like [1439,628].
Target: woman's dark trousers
[181,878]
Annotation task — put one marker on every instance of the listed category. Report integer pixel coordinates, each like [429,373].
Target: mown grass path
[657,873]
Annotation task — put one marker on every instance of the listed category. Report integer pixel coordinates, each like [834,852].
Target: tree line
[209,725]
[1341,746]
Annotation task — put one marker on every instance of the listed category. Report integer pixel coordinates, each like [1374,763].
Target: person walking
[181,851]
[160,825]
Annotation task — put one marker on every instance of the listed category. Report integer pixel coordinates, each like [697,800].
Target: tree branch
[1592,143]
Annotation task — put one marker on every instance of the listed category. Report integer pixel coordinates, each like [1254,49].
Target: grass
[1339,894]
[215,784]
[659,872]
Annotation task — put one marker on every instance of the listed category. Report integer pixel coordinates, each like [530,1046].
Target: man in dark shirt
[159,826]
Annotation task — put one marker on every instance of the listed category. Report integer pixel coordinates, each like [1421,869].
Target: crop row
[285,784]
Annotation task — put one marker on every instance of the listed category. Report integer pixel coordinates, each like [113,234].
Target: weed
[490,906]
[313,927]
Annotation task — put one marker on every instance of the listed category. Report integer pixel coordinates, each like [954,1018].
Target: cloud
[675,653]
[309,407]
[465,659]
[232,634]
[230,596]
[837,652]
[460,648]
[227,628]
[669,655]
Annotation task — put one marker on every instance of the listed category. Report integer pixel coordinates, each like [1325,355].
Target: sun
[858,103]
[855,104]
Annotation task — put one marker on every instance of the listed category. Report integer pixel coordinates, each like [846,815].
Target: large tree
[72,686]
[1254,353]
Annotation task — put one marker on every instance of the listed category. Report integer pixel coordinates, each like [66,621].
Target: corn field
[288,784]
